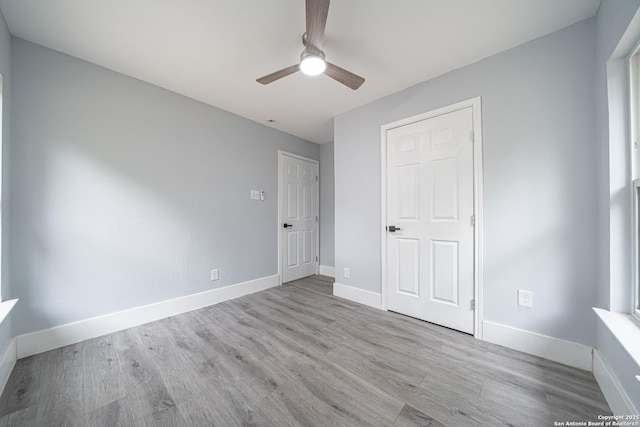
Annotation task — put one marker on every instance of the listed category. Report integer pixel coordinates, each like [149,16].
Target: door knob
[393,229]
[285,225]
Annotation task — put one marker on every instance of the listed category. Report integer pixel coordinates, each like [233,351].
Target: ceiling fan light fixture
[312,65]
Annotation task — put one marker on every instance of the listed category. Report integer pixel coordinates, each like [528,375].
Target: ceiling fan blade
[270,78]
[343,76]
[317,11]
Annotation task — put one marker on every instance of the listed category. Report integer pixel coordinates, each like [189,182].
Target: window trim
[634,123]
[634,110]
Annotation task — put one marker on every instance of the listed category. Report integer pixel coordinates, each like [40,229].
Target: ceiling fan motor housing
[311,52]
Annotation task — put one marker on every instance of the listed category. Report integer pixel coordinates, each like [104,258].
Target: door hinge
[473,304]
[316,259]
[473,220]
[316,178]
[316,218]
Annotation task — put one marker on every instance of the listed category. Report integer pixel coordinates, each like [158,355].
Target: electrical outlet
[254,194]
[525,298]
[214,274]
[346,273]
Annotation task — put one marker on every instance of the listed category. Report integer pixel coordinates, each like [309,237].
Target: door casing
[282,153]
[475,104]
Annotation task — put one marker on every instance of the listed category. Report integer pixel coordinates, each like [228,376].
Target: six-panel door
[430,199]
[298,218]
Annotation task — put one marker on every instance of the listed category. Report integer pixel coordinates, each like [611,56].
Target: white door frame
[282,153]
[475,104]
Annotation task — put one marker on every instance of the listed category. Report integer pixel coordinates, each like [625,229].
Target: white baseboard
[358,295]
[566,352]
[8,360]
[71,333]
[327,270]
[616,396]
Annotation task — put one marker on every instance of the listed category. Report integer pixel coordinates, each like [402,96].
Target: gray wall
[124,194]
[539,160]
[614,222]
[6,328]
[327,205]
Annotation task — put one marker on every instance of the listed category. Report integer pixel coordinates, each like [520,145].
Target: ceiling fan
[312,60]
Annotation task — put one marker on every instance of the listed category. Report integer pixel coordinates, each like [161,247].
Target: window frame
[634,122]
[635,294]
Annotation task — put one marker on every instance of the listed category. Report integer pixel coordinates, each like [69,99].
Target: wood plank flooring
[294,356]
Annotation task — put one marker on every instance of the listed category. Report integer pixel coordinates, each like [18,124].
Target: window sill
[625,329]
[5,308]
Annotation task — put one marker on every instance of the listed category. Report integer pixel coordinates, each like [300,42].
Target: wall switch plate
[346,273]
[214,274]
[255,195]
[525,298]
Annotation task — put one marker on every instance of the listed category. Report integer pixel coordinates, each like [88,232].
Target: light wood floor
[294,356]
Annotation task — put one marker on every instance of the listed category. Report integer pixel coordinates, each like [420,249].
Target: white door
[430,202]
[298,217]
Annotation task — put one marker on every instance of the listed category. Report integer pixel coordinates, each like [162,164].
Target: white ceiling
[213,50]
